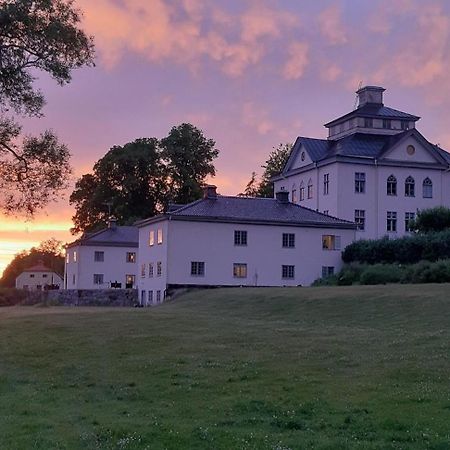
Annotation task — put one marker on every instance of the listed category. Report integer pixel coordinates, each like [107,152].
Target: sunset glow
[251,74]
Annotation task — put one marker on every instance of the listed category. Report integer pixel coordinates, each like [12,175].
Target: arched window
[409,187]
[294,194]
[302,191]
[310,189]
[391,185]
[427,188]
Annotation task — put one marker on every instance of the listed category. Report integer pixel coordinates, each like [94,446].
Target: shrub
[432,219]
[10,296]
[382,274]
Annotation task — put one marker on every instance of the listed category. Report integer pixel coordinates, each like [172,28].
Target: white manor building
[103,260]
[375,169]
[236,241]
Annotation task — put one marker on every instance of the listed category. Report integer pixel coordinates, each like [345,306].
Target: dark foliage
[432,219]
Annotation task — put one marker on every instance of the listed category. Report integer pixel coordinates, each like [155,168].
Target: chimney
[282,196]
[112,223]
[370,95]
[209,191]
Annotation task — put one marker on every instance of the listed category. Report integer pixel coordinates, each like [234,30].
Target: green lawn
[299,368]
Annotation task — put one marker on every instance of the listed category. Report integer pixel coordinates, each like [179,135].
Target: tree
[273,166]
[188,155]
[432,219]
[128,181]
[35,35]
[50,252]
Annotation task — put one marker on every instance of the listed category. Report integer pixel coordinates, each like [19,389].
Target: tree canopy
[35,36]
[432,219]
[272,167]
[50,252]
[139,179]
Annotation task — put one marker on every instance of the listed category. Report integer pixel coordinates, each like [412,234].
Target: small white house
[103,260]
[38,278]
[375,169]
[237,241]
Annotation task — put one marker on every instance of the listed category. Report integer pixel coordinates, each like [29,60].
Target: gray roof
[266,211]
[120,236]
[374,110]
[360,145]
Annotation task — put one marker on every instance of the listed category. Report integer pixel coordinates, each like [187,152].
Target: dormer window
[387,124]
[368,122]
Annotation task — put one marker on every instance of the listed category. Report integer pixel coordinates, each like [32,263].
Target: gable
[300,158]
[411,149]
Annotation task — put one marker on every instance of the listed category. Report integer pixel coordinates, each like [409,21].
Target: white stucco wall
[31,280]
[114,267]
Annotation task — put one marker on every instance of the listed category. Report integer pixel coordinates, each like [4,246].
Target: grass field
[298,368]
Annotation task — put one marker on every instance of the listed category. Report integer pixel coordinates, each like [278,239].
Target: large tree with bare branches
[35,35]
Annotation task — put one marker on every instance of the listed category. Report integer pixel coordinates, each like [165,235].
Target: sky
[250,73]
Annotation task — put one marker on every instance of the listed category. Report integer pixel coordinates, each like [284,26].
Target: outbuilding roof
[265,211]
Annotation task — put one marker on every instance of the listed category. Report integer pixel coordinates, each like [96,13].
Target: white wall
[30,280]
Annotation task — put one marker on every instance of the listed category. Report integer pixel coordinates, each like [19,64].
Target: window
[131,257]
[239,270]
[404,125]
[158,296]
[387,124]
[368,123]
[198,268]
[160,236]
[130,281]
[360,182]
[327,271]
[288,240]
[31,275]
[331,242]
[143,270]
[360,219]
[67,258]
[409,187]
[73,279]
[99,256]
[151,238]
[427,188]
[158,268]
[240,237]
[294,194]
[44,275]
[326,183]
[391,221]
[150,297]
[302,191]
[391,185]
[74,256]
[150,270]
[143,301]
[287,272]
[98,278]
[409,219]
[310,189]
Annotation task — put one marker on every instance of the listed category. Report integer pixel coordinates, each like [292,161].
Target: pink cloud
[297,62]
[331,26]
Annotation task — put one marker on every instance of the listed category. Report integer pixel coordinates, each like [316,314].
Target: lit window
[74,256]
[158,268]
[287,272]
[310,189]
[99,256]
[326,183]
[327,271]
[239,270]
[427,188]
[331,242]
[151,238]
[240,237]
[391,221]
[409,187]
[360,182]
[160,236]
[67,258]
[98,278]
[288,240]
[143,270]
[198,268]
[130,281]
[150,270]
[409,220]
[302,191]
[360,219]
[131,257]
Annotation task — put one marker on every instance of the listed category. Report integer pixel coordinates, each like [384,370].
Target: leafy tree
[35,35]
[272,167]
[129,181]
[50,252]
[432,219]
[189,156]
